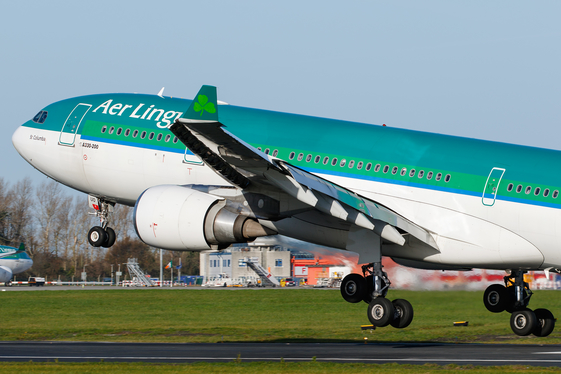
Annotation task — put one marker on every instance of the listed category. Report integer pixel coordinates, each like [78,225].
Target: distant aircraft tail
[21,248]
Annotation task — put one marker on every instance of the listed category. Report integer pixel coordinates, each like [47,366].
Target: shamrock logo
[202,104]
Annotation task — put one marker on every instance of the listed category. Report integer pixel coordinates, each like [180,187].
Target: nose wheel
[103,235]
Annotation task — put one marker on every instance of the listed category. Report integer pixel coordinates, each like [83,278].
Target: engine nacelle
[5,274]
[180,218]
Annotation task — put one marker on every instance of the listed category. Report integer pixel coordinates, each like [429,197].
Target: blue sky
[480,69]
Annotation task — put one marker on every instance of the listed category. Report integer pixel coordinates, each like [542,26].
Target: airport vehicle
[13,261]
[36,281]
[289,282]
[203,174]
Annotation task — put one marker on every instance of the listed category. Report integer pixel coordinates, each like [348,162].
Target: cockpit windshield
[40,117]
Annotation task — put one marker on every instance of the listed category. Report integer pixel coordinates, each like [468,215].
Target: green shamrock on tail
[203,105]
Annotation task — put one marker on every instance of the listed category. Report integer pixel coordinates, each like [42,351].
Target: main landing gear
[101,236]
[514,297]
[372,288]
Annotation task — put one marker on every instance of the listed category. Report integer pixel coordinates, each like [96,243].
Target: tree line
[54,225]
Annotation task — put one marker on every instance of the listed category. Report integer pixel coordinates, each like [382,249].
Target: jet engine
[5,274]
[180,218]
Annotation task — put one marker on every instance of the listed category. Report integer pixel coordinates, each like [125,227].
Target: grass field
[237,315]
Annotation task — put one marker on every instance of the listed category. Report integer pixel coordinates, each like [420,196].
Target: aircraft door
[72,124]
[492,186]
[190,158]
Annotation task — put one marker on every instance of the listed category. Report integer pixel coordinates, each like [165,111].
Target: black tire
[111,236]
[403,313]
[97,236]
[381,312]
[523,322]
[496,298]
[353,288]
[546,322]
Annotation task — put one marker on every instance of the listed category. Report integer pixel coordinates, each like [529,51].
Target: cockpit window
[40,117]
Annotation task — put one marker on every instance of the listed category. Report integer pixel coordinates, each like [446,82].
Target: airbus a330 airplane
[13,261]
[204,174]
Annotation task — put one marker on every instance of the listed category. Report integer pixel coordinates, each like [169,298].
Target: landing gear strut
[514,297]
[372,288]
[101,236]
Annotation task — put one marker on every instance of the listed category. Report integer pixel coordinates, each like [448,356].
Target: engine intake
[180,218]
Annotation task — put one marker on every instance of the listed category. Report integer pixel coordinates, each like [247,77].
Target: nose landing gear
[514,297]
[101,236]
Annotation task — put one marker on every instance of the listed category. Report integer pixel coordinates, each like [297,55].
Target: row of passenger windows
[528,190]
[135,133]
[267,151]
[359,165]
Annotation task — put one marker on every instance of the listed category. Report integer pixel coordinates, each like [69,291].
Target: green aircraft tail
[204,106]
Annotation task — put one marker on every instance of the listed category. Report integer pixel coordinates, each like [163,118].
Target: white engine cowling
[180,218]
[5,274]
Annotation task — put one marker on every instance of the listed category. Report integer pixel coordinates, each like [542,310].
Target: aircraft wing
[243,165]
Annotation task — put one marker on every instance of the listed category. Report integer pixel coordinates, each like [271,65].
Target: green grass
[238,315]
[262,367]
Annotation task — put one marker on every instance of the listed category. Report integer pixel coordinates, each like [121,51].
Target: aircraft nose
[18,140]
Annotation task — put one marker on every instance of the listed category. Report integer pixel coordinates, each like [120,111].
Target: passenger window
[175,139]
[359,165]
[351,164]
[291,156]
[317,159]
[377,168]
[111,130]
[394,170]
[300,156]
[334,161]
[546,192]
[438,176]
[135,133]
[537,191]
[308,158]
[275,152]
[168,137]
[103,129]
[519,188]
[160,136]
[343,162]
[447,178]
[142,136]
[528,190]
[510,187]
[151,136]
[119,131]
[412,173]
[267,151]
[421,174]
[386,168]
[259,148]
[127,132]
[325,160]
[368,166]
[403,171]
[429,175]
[555,194]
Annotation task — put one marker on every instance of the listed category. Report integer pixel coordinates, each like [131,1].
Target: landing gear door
[72,124]
[492,186]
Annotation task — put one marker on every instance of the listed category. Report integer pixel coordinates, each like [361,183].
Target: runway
[422,353]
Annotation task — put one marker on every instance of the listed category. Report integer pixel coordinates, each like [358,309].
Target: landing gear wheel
[110,237]
[97,236]
[353,288]
[403,313]
[546,322]
[523,322]
[380,312]
[496,298]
